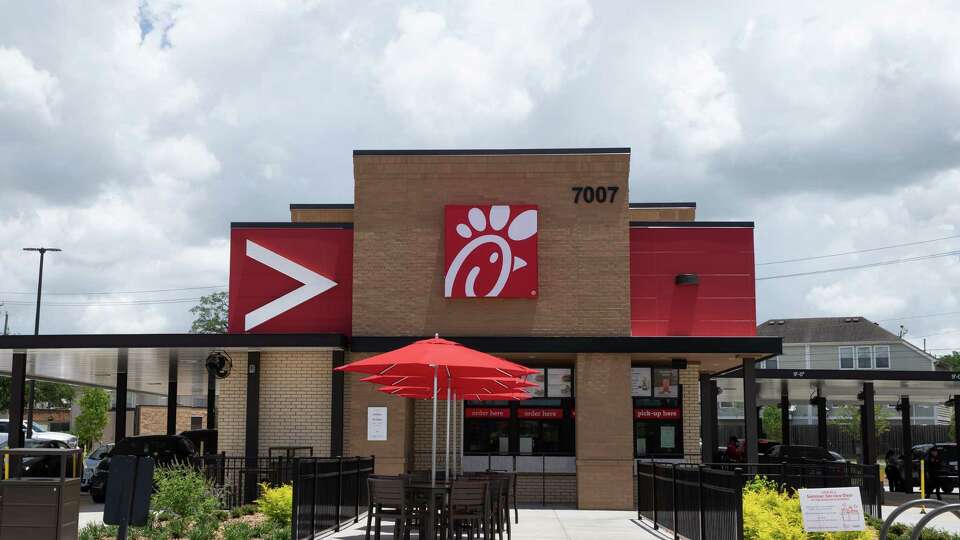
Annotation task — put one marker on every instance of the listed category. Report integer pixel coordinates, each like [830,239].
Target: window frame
[857,356]
[889,357]
[853,356]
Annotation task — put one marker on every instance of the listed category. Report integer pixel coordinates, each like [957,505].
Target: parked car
[948,453]
[164,449]
[90,464]
[837,457]
[39,432]
[763,446]
[795,453]
[41,466]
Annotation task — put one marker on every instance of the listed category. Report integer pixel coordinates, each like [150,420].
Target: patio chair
[468,509]
[388,500]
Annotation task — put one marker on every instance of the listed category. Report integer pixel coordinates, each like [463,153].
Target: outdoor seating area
[474,505]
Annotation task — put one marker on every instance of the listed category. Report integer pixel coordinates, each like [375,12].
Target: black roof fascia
[851,375]
[320,206]
[659,344]
[148,341]
[288,225]
[715,224]
[492,151]
[662,205]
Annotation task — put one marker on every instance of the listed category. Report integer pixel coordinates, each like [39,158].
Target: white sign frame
[376,423]
[832,509]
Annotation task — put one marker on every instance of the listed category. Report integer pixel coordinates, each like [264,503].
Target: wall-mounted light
[687,279]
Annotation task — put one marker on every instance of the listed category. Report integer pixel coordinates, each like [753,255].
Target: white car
[40,433]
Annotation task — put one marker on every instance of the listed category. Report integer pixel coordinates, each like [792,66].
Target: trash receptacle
[40,493]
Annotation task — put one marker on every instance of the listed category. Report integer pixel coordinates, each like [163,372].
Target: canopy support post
[173,360]
[821,403]
[869,425]
[446,453]
[750,409]
[708,418]
[120,416]
[784,414]
[907,439]
[433,444]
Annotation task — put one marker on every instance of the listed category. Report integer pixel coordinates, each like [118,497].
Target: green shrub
[280,533]
[182,491]
[96,531]
[769,513]
[237,531]
[250,509]
[276,503]
[204,529]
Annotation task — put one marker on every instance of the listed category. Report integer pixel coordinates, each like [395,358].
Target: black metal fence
[706,501]
[236,480]
[328,492]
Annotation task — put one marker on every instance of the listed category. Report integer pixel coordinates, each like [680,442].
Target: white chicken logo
[482,229]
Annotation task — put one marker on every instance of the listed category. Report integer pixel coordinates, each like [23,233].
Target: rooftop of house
[825,330]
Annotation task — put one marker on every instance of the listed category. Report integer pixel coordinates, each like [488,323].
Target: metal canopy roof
[92,359]
[844,385]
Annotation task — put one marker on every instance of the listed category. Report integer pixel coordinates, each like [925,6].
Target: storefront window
[658,421]
[542,425]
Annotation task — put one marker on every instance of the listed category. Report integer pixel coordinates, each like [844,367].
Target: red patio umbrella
[430,358]
[457,384]
[420,392]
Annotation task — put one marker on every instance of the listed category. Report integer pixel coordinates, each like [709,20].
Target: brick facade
[295,402]
[152,419]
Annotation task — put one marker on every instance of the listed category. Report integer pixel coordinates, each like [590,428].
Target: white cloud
[26,89]
[481,69]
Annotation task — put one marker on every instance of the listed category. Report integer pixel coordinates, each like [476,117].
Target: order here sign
[832,509]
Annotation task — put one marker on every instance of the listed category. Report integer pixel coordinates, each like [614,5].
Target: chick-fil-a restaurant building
[627,309]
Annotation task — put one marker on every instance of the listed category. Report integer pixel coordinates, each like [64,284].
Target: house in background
[845,343]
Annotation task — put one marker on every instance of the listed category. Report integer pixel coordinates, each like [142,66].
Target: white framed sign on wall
[376,423]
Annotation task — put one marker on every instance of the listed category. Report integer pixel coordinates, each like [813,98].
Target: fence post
[783,474]
[339,493]
[738,490]
[703,524]
[653,493]
[879,487]
[543,480]
[356,513]
[316,494]
[297,502]
[676,513]
[636,464]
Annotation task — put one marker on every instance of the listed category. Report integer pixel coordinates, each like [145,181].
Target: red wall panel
[264,298]
[723,303]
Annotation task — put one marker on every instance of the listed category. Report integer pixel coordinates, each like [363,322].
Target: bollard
[923,486]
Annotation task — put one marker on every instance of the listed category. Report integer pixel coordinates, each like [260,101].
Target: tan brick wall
[690,380]
[604,432]
[395,455]
[295,394]
[232,407]
[549,490]
[153,418]
[321,215]
[398,245]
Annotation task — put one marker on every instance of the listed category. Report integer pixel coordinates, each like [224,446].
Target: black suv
[948,460]
[797,453]
[164,449]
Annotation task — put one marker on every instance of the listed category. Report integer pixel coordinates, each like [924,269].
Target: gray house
[844,343]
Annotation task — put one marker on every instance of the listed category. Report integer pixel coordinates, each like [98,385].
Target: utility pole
[36,331]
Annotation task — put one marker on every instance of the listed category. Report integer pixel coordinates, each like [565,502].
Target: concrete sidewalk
[547,524]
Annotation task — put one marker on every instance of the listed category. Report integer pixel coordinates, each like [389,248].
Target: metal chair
[388,500]
[468,509]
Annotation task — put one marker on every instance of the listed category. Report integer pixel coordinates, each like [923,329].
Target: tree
[771,417]
[89,424]
[848,418]
[950,361]
[48,395]
[210,314]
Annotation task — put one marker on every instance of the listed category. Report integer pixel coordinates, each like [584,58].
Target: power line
[868,250]
[862,266]
[119,292]
[118,303]
[920,316]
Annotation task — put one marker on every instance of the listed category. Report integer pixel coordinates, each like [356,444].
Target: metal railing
[236,480]
[691,500]
[327,492]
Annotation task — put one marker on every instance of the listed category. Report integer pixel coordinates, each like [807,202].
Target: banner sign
[831,509]
[540,414]
[486,412]
[657,414]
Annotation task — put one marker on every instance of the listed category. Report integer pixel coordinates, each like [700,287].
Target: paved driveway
[90,512]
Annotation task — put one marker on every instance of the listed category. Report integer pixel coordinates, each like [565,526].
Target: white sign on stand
[832,509]
[376,423]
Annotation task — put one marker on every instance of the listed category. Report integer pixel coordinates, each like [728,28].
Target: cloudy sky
[131,134]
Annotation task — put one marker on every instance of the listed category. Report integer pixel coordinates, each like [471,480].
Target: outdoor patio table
[441,490]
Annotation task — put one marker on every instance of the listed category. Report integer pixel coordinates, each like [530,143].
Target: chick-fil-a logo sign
[490,251]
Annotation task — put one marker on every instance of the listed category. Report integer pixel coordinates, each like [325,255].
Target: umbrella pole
[433,453]
[463,424]
[446,454]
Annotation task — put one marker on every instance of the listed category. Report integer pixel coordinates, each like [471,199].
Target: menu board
[538,379]
[640,382]
[559,382]
[666,383]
